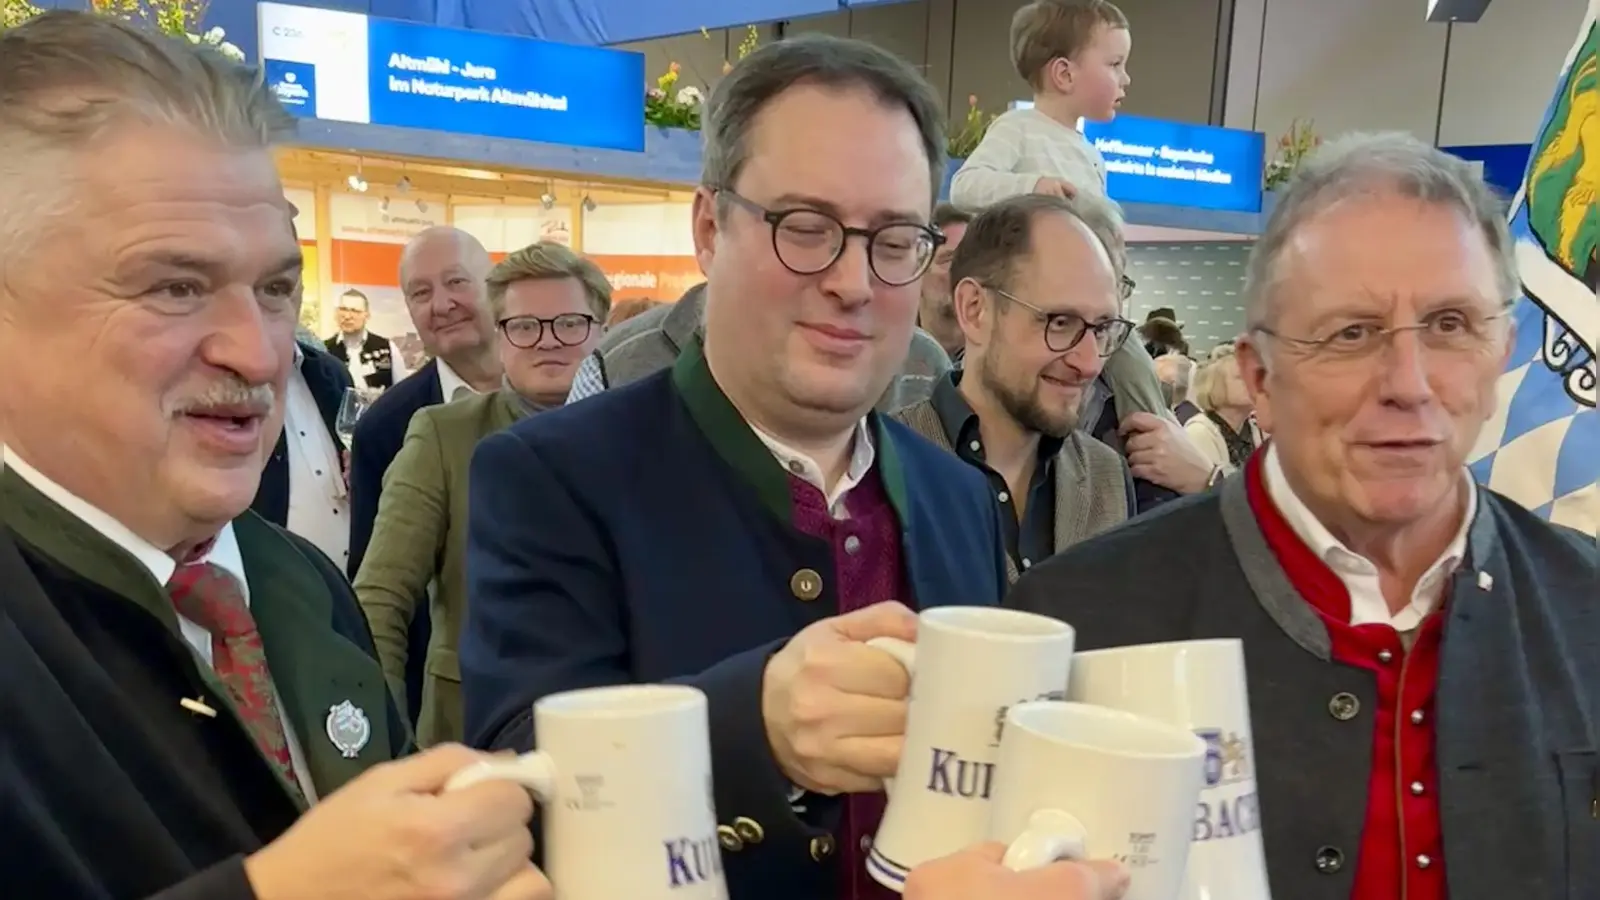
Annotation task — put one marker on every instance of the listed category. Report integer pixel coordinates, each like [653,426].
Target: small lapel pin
[348,729]
[198,707]
[1485,581]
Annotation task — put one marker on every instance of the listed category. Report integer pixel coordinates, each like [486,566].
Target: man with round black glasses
[548,303]
[1036,296]
[744,521]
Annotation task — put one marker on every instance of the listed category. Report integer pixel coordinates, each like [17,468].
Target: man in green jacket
[549,305]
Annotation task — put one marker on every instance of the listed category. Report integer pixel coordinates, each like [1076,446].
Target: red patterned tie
[209,596]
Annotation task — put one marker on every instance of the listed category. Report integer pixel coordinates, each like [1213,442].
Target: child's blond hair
[1046,29]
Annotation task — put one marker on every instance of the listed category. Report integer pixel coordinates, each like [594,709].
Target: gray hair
[819,59]
[1176,373]
[1392,163]
[68,77]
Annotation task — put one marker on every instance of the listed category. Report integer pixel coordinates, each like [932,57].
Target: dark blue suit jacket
[328,379]
[379,434]
[644,535]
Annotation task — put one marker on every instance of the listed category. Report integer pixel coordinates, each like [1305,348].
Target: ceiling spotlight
[384,206]
[588,203]
[404,184]
[422,206]
[547,200]
[357,183]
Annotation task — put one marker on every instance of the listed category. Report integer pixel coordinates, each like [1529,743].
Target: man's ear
[703,216]
[973,310]
[1250,354]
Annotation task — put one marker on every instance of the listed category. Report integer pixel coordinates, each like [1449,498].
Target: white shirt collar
[450,382]
[224,551]
[862,455]
[1367,604]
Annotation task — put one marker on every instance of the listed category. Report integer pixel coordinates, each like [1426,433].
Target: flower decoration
[970,132]
[15,12]
[667,104]
[1292,148]
[176,18]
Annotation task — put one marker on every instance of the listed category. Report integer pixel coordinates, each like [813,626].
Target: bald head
[444,241]
[442,272]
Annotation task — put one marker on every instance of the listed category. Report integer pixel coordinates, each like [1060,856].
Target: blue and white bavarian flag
[1542,447]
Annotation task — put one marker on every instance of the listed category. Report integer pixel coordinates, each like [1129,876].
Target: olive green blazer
[419,541]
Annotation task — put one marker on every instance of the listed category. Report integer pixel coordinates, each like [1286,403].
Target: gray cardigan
[1517,703]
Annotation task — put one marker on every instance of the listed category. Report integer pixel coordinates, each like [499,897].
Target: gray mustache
[232,397]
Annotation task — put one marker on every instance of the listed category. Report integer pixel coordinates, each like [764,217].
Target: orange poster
[662,278]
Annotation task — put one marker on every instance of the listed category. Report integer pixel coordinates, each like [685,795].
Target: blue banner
[1178,164]
[349,67]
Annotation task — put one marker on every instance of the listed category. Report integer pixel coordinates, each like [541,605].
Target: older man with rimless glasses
[1036,296]
[1423,655]
[548,303]
[744,521]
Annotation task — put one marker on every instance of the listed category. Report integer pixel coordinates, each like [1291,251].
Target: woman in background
[1226,431]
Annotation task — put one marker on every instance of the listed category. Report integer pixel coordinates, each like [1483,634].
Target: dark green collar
[741,449]
[313,668]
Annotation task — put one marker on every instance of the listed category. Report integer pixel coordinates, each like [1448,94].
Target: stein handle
[904,653]
[1051,836]
[535,771]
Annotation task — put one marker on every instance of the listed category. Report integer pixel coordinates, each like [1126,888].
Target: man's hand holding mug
[835,708]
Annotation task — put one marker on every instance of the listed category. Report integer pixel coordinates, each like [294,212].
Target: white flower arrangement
[691,95]
[216,39]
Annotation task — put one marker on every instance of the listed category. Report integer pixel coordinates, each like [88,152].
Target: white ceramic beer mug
[1074,781]
[968,666]
[623,779]
[1198,685]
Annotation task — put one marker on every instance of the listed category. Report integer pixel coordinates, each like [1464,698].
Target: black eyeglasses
[569,329]
[1128,284]
[808,241]
[1063,331]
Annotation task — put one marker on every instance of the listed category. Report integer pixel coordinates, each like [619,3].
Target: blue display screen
[1178,164]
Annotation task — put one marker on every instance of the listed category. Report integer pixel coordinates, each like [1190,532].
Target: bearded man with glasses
[1423,655]
[743,522]
[1036,296]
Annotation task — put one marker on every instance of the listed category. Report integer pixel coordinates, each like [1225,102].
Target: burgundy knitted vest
[867,569]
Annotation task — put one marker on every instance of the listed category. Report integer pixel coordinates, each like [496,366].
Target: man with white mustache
[189,699]
[1036,296]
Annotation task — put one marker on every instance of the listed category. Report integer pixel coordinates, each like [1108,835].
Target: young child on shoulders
[1074,54]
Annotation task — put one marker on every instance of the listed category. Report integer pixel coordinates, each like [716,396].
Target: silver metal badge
[348,728]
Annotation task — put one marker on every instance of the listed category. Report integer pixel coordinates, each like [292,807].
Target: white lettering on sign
[1175,163]
[622,280]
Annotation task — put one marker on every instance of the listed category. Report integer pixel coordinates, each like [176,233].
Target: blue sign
[1178,164]
[1503,164]
[349,67]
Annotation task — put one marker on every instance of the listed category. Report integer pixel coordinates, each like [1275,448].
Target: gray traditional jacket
[1517,705]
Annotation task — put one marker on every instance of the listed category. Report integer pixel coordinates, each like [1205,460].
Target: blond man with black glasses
[549,305]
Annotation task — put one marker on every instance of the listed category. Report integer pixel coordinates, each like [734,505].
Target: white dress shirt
[451,385]
[224,554]
[1360,576]
[862,455]
[319,504]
